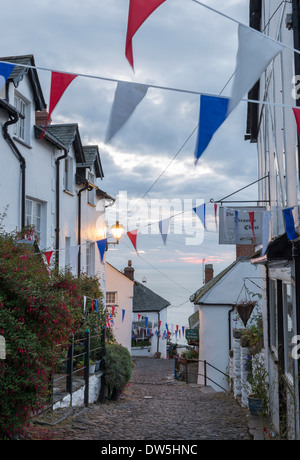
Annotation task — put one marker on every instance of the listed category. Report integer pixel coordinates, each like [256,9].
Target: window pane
[289,328]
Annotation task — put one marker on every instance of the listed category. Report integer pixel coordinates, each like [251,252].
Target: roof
[146,300]
[204,289]
[280,248]
[67,135]
[92,158]
[18,73]
[121,273]
[200,293]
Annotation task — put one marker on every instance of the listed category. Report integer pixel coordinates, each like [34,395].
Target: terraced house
[49,179]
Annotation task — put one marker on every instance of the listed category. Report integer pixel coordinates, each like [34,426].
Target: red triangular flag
[297,116]
[139,11]
[113,308]
[48,255]
[216,208]
[59,83]
[132,236]
[251,216]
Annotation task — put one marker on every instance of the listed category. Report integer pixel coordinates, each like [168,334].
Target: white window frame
[91,193]
[21,128]
[90,258]
[289,322]
[111,298]
[34,216]
[68,175]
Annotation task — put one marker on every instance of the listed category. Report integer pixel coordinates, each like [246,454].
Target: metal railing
[206,364]
[75,367]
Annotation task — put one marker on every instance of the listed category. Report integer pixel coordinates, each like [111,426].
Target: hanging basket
[245,310]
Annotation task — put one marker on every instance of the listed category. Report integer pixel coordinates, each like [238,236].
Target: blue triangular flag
[200,211]
[146,321]
[289,224]
[213,113]
[5,71]
[123,314]
[102,246]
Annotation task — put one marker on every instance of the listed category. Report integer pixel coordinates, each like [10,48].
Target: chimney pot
[129,271]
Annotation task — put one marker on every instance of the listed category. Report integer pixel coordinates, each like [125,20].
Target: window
[68,174]
[67,255]
[22,126]
[90,269]
[34,216]
[111,298]
[91,193]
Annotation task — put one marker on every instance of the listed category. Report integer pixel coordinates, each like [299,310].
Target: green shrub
[118,367]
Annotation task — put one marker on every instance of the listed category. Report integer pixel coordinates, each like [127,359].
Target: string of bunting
[255,52]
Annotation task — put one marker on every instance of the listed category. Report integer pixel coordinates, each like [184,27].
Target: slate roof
[92,157]
[18,73]
[146,300]
[67,134]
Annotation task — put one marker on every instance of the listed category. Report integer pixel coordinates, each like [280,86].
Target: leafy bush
[118,367]
[39,311]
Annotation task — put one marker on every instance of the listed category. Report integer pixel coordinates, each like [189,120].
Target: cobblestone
[154,406]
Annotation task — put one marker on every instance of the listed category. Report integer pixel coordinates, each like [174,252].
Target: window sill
[21,141]
[68,192]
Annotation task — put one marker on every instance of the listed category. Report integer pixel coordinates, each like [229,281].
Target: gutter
[14,117]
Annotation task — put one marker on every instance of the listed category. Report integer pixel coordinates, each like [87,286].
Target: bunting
[289,224]
[139,11]
[200,212]
[59,84]
[5,71]
[133,236]
[213,113]
[255,53]
[297,117]
[127,98]
[251,217]
[164,228]
[102,244]
[48,255]
[123,314]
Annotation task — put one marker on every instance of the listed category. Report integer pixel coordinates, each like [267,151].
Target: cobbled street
[154,406]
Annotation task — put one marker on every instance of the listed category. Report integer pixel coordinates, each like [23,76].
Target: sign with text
[192,334]
[241,225]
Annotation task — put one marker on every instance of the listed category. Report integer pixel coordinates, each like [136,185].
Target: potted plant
[118,366]
[257,378]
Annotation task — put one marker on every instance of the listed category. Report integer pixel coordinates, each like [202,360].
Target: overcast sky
[182,45]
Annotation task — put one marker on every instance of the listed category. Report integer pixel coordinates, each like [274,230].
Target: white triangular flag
[127,98]
[164,228]
[255,52]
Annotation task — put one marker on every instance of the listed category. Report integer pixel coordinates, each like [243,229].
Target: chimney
[245,250]
[41,117]
[209,273]
[129,271]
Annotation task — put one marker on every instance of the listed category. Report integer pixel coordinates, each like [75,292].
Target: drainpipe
[86,187]
[158,319]
[57,229]
[14,119]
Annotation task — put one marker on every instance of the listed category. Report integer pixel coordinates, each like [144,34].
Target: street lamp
[117,231]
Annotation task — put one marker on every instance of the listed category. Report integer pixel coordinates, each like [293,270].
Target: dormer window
[21,128]
[68,175]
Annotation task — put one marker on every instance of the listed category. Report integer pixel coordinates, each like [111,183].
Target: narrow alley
[154,406]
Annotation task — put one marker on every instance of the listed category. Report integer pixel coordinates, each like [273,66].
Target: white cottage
[50,182]
[215,302]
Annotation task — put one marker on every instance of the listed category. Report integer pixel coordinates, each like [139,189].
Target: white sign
[235,225]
